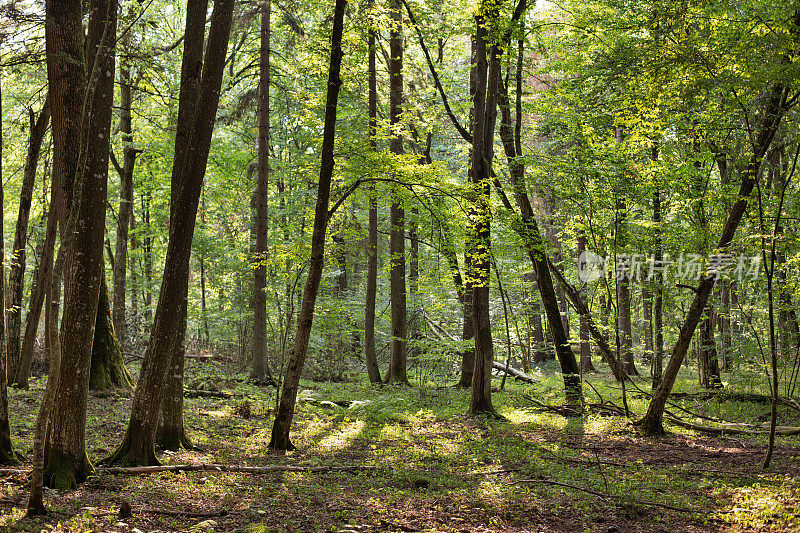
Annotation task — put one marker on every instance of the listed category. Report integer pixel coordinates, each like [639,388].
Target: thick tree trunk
[397,238]
[138,445]
[370,357]
[775,108]
[108,365]
[261,372]
[66,463]
[624,326]
[709,365]
[171,434]
[283,417]
[16,274]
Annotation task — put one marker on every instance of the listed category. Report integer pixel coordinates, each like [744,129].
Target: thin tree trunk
[124,219]
[658,287]
[586,350]
[138,445]
[261,371]
[16,274]
[7,454]
[370,357]
[397,242]
[283,417]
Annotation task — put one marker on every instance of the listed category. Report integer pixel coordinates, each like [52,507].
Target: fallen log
[513,372]
[734,429]
[196,393]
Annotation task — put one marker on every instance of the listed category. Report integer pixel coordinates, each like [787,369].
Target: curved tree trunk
[283,417]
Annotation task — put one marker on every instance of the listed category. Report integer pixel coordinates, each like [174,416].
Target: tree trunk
[775,108]
[283,417]
[397,243]
[16,274]
[370,356]
[586,350]
[171,434]
[125,212]
[624,295]
[7,454]
[658,287]
[138,445]
[261,372]
[108,366]
[66,463]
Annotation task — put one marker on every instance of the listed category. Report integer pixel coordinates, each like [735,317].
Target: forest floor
[435,468]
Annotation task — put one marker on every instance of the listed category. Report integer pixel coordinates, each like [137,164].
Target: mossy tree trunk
[108,366]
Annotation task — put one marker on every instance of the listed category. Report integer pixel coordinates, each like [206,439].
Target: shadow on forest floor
[437,470]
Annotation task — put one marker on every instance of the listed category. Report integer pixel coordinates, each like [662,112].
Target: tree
[7,454]
[66,463]
[38,128]
[370,356]
[283,417]
[191,153]
[397,237]
[261,372]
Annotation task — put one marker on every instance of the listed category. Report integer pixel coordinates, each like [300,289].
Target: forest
[399,265]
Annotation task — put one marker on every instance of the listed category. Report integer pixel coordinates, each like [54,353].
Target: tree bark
[125,211]
[397,242]
[107,365]
[138,445]
[7,454]
[370,357]
[66,463]
[261,372]
[586,349]
[283,417]
[16,274]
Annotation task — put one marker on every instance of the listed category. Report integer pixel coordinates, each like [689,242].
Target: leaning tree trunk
[66,462]
[108,365]
[16,274]
[41,283]
[283,417]
[138,445]
[171,434]
[775,108]
[397,243]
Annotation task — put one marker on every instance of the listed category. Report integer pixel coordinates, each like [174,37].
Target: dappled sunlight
[344,436]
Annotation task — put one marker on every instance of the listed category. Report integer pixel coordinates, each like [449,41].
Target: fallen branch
[138,470]
[605,495]
[190,514]
[195,393]
[516,374]
[733,429]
